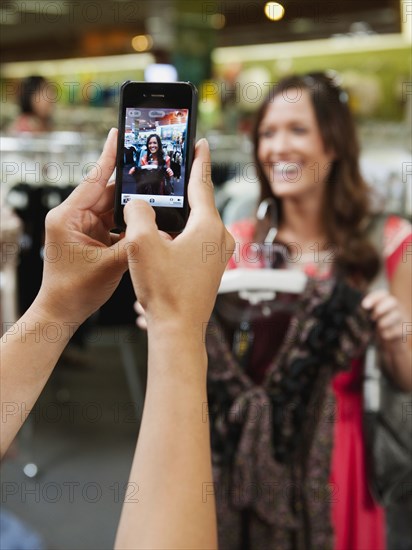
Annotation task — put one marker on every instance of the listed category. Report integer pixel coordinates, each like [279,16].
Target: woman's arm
[29,351]
[177,286]
[172,463]
[392,311]
[169,171]
[85,269]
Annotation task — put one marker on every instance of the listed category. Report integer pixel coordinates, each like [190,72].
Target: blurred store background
[67,472]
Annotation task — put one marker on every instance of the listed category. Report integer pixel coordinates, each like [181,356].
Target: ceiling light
[217,21]
[142,42]
[160,72]
[84,65]
[274,11]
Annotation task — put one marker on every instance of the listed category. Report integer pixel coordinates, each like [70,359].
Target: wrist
[51,316]
[54,310]
[36,329]
[397,361]
[177,329]
[175,345]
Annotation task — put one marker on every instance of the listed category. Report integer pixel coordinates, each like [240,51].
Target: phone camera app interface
[154,156]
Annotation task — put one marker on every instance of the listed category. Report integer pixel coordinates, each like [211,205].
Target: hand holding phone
[171,293]
[157,127]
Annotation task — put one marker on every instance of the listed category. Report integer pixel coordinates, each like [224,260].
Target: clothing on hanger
[272,436]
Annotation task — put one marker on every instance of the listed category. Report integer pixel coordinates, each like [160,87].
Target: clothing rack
[56,158]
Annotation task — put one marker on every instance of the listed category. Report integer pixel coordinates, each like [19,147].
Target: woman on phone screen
[155,158]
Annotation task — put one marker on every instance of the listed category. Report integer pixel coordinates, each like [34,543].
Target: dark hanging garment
[272,427]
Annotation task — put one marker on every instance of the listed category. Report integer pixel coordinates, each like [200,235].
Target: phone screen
[154,156]
[157,126]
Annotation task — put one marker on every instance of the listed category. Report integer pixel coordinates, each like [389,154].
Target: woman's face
[291,149]
[153,145]
[42,104]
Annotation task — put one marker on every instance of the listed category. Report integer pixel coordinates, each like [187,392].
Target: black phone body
[157,129]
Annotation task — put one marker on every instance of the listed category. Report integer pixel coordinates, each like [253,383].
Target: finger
[108,219]
[140,219]
[141,322]
[106,199]
[391,333]
[104,167]
[119,250]
[139,309]
[87,194]
[385,306]
[230,244]
[200,189]
[165,236]
[115,238]
[373,298]
[392,319]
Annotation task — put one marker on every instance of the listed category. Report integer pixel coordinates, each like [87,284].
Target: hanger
[258,285]
[275,280]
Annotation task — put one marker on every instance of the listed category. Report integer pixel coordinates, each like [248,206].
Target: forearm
[399,364]
[172,464]
[29,351]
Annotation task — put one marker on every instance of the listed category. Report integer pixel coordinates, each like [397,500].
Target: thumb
[90,190]
[200,189]
[140,221]
[119,253]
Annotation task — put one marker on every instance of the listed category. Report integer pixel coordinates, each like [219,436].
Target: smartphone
[157,129]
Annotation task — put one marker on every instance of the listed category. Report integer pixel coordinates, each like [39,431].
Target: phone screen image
[155,150]
[154,156]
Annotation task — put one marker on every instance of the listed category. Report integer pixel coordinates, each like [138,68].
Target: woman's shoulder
[243,230]
[245,254]
[396,232]
[390,234]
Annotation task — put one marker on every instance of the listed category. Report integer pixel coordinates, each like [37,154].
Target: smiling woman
[292,466]
[155,157]
[306,152]
[291,149]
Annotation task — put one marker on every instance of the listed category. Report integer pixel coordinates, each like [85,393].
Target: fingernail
[204,143]
[365,303]
[110,133]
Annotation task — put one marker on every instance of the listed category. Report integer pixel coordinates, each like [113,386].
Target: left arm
[392,311]
[29,351]
[90,264]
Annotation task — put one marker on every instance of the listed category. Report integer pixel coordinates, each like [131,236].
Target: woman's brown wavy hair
[346,208]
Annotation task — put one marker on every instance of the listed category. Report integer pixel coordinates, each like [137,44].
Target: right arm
[169,171]
[172,463]
[391,309]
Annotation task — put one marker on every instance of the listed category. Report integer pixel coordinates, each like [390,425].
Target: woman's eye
[299,130]
[267,134]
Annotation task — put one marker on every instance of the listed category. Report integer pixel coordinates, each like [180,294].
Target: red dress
[358,521]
